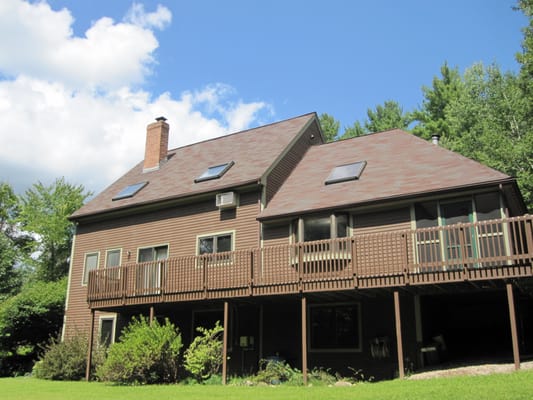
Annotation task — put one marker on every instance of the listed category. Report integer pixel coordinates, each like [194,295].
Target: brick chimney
[156,144]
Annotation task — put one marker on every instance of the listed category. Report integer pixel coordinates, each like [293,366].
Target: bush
[27,321]
[203,358]
[145,354]
[274,372]
[67,360]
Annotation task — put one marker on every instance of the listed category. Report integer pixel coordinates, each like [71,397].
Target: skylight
[130,191]
[214,172]
[347,172]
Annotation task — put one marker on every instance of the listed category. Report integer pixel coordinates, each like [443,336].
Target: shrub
[66,360]
[145,354]
[27,321]
[203,358]
[274,372]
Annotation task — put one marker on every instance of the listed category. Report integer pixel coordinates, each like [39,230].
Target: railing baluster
[425,255]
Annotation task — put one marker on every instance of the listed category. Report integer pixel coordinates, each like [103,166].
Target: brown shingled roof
[253,151]
[399,164]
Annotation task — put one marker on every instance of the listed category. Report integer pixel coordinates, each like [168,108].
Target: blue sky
[213,67]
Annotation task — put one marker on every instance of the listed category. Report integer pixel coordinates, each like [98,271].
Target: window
[91,263]
[107,331]
[323,227]
[335,327]
[434,246]
[153,253]
[218,243]
[112,258]
[149,273]
[215,244]
[347,172]
[214,172]
[130,191]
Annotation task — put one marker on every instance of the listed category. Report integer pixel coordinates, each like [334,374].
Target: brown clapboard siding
[281,171]
[382,221]
[176,227]
[276,235]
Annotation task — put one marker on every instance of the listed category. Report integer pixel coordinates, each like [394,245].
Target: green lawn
[517,385]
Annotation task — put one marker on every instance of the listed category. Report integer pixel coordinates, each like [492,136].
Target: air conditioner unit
[226,200]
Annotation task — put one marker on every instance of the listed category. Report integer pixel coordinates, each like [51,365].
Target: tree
[330,127]
[27,321]
[390,115]
[10,275]
[44,211]
[432,117]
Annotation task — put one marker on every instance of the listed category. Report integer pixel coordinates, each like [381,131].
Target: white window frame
[107,317]
[85,275]
[119,257]
[215,260]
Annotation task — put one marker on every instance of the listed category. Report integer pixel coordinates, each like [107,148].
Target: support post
[399,344]
[304,339]
[261,318]
[418,327]
[90,350]
[512,319]
[225,344]
[151,314]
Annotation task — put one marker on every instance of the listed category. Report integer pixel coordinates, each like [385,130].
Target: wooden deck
[488,250]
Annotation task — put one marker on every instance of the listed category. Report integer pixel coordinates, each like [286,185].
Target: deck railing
[494,249]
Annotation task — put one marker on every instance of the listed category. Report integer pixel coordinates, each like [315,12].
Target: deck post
[90,349]
[399,344]
[225,344]
[151,314]
[304,339]
[512,319]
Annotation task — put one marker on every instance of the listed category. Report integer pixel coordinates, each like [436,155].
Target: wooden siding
[176,227]
[383,221]
[281,171]
[362,261]
[276,235]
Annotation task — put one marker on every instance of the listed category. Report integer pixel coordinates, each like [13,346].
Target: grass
[516,385]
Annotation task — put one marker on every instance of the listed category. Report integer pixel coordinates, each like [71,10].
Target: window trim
[119,257]
[167,245]
[300,225]
[84,281]
[358,349]
[232,233]
[101,318]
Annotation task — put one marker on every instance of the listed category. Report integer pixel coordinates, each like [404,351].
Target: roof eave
[161,202]
[402,197]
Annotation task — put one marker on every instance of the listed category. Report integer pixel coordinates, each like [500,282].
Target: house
[383,253]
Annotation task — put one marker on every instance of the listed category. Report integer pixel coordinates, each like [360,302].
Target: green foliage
[146,353]
[390,115]
[274,372]
[10,276]
[330,127]
[44,211]
[66,360]
[203,358]
[433,116]
[27,321]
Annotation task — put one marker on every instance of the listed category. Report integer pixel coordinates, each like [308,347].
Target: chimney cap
[161,119]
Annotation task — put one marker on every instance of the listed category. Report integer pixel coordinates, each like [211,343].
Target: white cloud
[158,19]
[69,109]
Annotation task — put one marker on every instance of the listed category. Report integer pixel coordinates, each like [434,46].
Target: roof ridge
[240,132]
